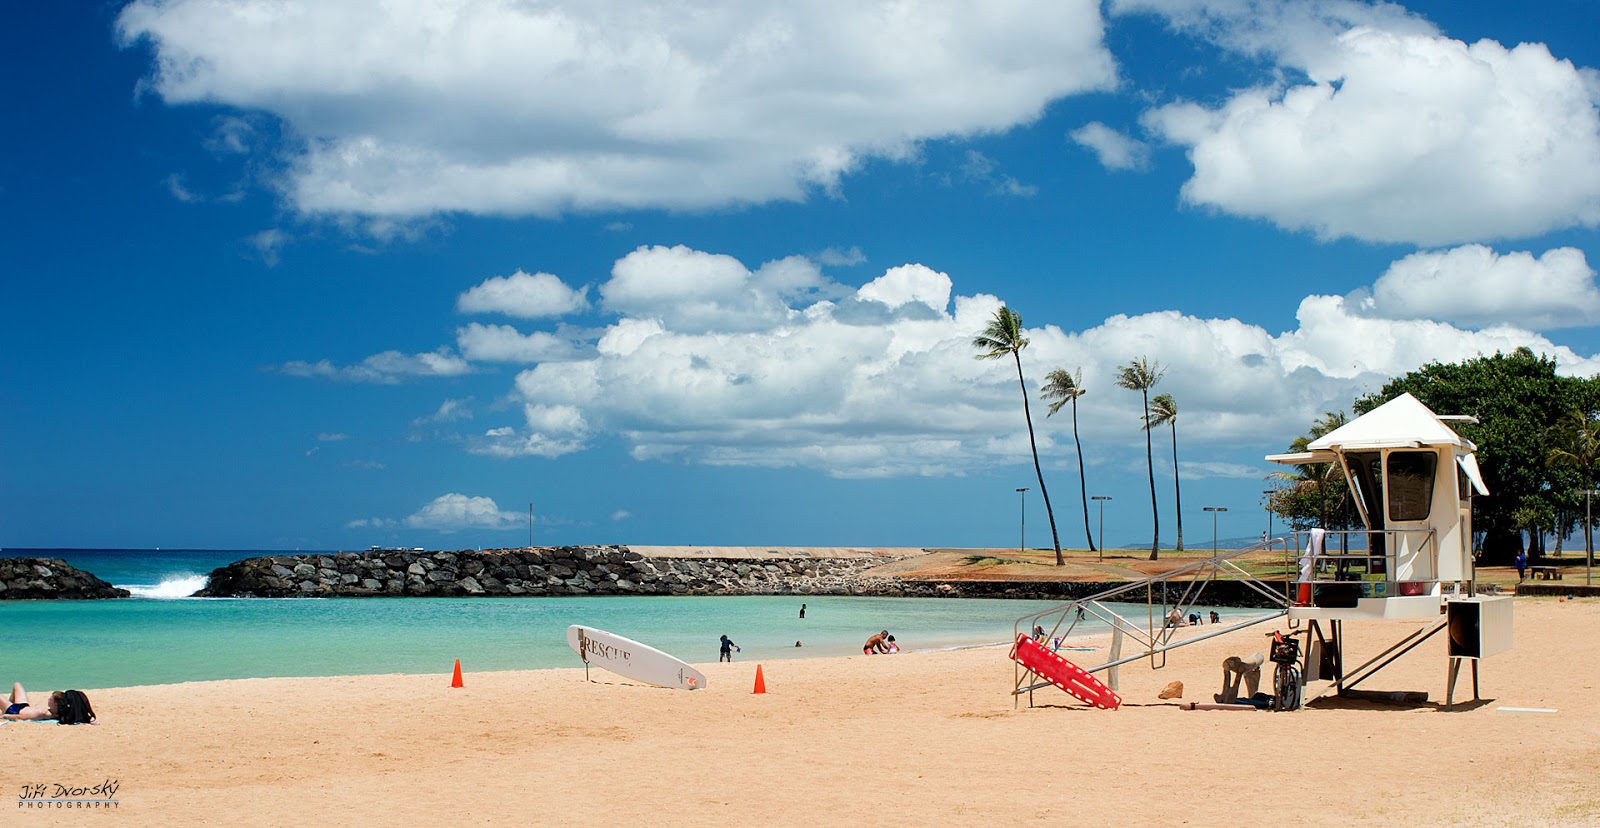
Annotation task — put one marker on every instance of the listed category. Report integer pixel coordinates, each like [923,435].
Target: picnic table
[1548,573]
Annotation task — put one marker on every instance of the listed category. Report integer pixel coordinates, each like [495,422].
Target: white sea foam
[173,586]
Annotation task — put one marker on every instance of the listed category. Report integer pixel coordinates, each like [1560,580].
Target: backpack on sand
[73,708]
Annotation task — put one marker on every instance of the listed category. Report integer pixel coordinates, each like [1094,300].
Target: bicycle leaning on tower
[1286,679]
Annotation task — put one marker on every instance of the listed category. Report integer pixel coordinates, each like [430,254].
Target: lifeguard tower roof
[1403,422]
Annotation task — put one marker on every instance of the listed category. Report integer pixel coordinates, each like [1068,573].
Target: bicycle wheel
[1286,688]
[1289,693]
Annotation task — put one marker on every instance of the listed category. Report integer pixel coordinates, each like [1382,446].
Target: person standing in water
[802,610]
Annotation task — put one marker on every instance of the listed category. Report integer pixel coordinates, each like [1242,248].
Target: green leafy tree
[1533,517]
[1141,375]
[1164,411]
[1516,398]
[1059,389]
[1003,336]
[1575,446]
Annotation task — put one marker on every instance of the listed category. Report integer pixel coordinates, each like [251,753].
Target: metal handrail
[1390,559]
[1153,640]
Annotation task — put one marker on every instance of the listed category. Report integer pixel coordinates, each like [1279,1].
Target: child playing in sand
[728,649]
[892,647]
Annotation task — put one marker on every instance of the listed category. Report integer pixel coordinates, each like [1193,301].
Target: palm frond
[1061,388]
[1003,335]
[1163,410]
[1140,375]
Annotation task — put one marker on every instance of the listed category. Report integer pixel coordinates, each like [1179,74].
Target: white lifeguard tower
[1412,479]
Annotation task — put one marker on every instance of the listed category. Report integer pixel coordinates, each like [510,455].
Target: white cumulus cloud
[451,512]
[550,431]
[1115,150]
[387,368]
[503,343]
[1473,286]
[411,107]
[690,289]
[1387,131]
[909,283]
[523,295]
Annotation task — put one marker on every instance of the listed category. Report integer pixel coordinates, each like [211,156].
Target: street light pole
[1588,537]
[1022,544]
[1268,493]
[1214,510]
[1102,501]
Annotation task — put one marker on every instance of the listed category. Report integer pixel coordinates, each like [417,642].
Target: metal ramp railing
[1158,634]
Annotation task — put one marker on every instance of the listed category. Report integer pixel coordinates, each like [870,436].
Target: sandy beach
[920,738]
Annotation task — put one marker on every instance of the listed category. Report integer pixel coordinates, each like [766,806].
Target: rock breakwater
[561,570]
[49,578]
[617,570]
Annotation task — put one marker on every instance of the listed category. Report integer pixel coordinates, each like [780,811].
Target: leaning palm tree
[1164,411]
[1140,375]
[1061,388]
[1004,336]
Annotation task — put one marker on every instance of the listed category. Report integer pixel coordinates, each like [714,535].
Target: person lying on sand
[18,709]
[65,706]
[876,644]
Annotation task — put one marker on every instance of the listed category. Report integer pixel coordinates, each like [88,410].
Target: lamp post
[1214,510]
[1268,493]
[1022,544]
[1588,536]
[1101,499]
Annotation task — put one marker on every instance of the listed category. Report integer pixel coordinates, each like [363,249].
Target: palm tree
[1140,375]
[1575,444]
[1164,411]
[1319,485]
[1062,388]
[1004,336]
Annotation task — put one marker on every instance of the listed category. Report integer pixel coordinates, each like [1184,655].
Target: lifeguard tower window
[1411,484]
[1366,471]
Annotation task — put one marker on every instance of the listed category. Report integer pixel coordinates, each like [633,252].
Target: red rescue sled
[1075,680]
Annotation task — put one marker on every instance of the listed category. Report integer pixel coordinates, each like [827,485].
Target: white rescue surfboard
[629,658]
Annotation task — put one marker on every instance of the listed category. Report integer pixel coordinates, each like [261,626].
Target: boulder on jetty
[48,578]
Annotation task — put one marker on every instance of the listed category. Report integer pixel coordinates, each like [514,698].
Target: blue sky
[340,273]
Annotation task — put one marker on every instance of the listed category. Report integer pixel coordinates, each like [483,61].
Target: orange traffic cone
[761,684]
[455,681]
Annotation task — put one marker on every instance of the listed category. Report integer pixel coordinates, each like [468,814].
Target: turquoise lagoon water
[161,638]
